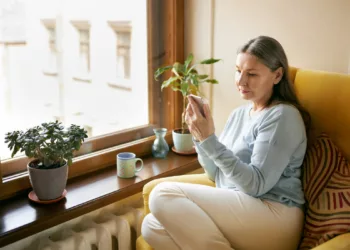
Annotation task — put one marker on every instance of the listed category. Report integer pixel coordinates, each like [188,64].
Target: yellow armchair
[341,242]
[326,96]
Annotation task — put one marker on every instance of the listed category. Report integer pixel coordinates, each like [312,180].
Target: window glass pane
[83,59]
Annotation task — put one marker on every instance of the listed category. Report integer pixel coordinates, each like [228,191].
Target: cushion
[326,182]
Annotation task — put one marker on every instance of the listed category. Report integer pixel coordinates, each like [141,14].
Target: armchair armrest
[341,242]
[192,178]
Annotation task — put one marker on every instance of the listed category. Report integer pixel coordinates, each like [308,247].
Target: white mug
[126,165]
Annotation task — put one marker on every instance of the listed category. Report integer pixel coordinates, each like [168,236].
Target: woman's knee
[160,194]
[155,235]
[146,228]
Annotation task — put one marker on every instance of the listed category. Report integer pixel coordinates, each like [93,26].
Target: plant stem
[39,154]
[183,123]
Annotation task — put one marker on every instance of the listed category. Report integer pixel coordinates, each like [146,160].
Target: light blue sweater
[259,155]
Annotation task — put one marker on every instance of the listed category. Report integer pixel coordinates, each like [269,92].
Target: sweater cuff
[197,147]
[209,145]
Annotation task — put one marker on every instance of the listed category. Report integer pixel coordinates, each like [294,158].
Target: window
[52,48]
[12,22]
[84,51]
[50,67]
[123,44]
[123,54]
[113,117]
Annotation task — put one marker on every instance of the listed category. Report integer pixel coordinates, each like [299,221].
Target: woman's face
[254,80]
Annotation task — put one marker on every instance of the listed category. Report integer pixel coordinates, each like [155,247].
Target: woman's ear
[278,75]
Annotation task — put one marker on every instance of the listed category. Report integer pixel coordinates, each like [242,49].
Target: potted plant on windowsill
[186,79]
[51,148]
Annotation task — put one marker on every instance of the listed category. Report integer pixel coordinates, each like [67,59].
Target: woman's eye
[238,71]
[250,74]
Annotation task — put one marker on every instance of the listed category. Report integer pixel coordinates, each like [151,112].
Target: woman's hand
[200,127]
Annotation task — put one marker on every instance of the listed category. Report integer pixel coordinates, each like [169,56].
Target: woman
[255,163]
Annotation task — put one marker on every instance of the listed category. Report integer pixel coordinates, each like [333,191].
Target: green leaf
[17,147]
[29,154]
[193,71]
[175,88]
[169,81]
[184,89]
[176,84]
[77,145]
[202,76]
[161,71]
[213,81]
[210,61]
[188,61]
[178,67]
[194,80]
[11,144]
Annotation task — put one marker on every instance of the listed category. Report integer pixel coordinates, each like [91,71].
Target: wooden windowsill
[20,218]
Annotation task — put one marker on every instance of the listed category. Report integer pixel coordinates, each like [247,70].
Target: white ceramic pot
[182,142]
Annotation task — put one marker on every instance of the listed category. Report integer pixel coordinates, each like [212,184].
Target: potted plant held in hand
[186,79]
[51,147]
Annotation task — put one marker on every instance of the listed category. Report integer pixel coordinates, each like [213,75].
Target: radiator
[108,231]
[115,226]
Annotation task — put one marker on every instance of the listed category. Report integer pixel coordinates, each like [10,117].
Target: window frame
[165,108]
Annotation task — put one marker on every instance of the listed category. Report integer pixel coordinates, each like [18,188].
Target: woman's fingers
[195,108]
[207,112]
[189,109]
[200,127]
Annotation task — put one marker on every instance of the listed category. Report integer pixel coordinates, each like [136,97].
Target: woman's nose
[241,80]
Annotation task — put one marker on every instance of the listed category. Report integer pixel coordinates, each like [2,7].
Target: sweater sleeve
[208,164]
[278,136]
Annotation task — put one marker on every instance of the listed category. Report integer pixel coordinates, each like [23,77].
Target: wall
[315,35]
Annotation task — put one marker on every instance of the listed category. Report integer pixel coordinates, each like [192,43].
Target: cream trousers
[191,216]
